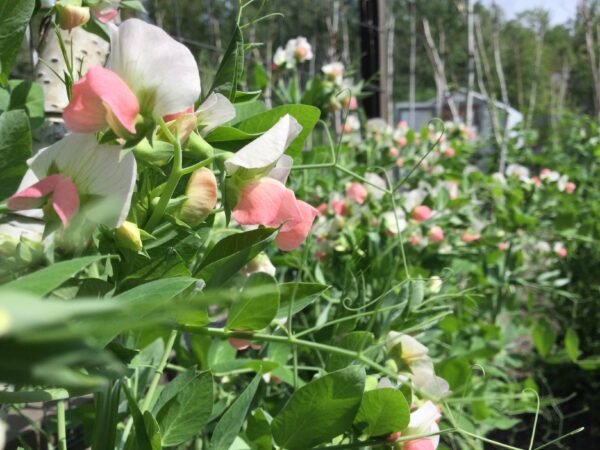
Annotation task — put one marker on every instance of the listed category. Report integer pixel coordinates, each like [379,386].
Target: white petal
[214,111]
[103,176]
[264,151]
[282,169]
[422,419]
[15,229]
[161,72]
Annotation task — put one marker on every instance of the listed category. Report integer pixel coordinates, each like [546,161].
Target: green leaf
[572,344]
[231,254]
[231,422]
[142,441]
[105,417]
[29,97]
[456,371]
[152,431]
[357,341]
[14,18]
[134,5]
[188,410]
[246,110]
[258,305]
[302,294]
[229,138]
[383,411]
[259,430]
[306,115]
[15,148]
[231,67]
[44,281]
[543,337]
[321,410]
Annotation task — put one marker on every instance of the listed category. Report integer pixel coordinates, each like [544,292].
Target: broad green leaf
[259,430]
[572,344]
[246,110]
[306,115]
[357,341]
[229,138]
[45,280]
[258,305]
[135,5]
[33,396]
[320,410]
[29,97]
[15,148]
[14,18]
[184,415]
[231,67]
[543,336]
[383,411]
[303,294]
[456,371]
[231,254]
[231,422]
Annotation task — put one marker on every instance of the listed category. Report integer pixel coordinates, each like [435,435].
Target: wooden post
[373,63]
[412,62]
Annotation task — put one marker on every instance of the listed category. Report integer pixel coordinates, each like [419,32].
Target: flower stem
[159,371]
[61,425]
[172,181]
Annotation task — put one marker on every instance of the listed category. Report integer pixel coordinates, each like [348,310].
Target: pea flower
[260,170]
[106,10]
[334,72]
[299,49]
[76,174]
[357,193]
[132,82]
[71,16]
[436,234]
[424,420]
[201,197]
[415,356]
[421,213]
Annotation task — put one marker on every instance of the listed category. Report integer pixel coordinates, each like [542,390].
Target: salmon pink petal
[33,196]
[65,200]
[419,444]
[356,192]
[107,15]
[296,234]
[266,202]
[170,117]
[101,99]
[422,213]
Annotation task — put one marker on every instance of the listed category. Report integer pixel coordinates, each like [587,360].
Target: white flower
[518,171]
[160,71]
[214,111]
[389,221]
[262,154]
[280,57]
[298,50]
[334,72]
[376,193]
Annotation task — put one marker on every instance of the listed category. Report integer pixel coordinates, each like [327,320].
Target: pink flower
[269,203]
[449,152]
[570,187]
[536,180]
[322,208]
[414,240]
[419,444]
[350,102]
[394,152]
[545,173]
[436,235]
[356,192]
[467,238]
[422,213]
[403,124]
[63,193]
[561,252]
[339,207]
[502,246]
[400,162]
[401,141]
[101,99]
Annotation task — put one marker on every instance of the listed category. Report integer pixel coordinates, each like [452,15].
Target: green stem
[159,371]
[61,425]
[375,443]
[196,166]
[172,181]
[291,340]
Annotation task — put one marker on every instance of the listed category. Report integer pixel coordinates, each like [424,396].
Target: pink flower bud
[467,238]
[436,235]
[570,187]
[422,213]
[357,193]
[70,16]
[201,195]
[339,207]
[502,246]
[449,152]
[394,152]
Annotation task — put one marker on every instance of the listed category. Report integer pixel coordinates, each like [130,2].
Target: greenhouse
[293,225]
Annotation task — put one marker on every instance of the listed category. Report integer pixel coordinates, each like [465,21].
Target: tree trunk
[412,62]
[503,89]
[470,65]
[590,47]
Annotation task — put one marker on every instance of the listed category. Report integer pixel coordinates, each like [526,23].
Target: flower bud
[260,263]
[201,195]
[71,16]
[435,285]
[128,235]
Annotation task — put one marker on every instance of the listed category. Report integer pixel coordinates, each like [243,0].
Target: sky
[560,10]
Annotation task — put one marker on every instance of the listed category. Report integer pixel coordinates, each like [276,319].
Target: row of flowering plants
[184,270]
[139,303]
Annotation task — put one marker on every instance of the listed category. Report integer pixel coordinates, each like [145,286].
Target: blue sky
[560,10]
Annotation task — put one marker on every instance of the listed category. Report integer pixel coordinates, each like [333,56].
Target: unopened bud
[71,16]
[260,263]
[201,193]
[435,285]
[128,235]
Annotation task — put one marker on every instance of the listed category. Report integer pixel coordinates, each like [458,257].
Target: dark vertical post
[370,55]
